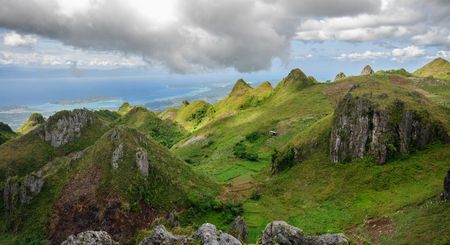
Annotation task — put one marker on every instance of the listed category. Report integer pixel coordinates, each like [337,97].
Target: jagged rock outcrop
[280,232]
[208,234]
[239,229]
[361,128]
[367,70]
[446,193]
[161,236]
[142,161]
[276,232]
[19,191]
[66,126]
[117,156]
[340,75]
[90,238]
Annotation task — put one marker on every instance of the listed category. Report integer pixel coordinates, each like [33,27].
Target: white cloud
[14,39]
[405,19]
[181,35]
[433,36]
[407,53]
[371,55]
[68,58]
[246,35]
[399,54]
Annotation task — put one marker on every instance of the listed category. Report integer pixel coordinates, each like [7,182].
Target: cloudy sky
[241,37]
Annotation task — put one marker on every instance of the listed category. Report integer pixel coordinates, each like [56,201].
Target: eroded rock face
[66,126]
[90,238]
[446,193]
[161,236]
[280,232]
[360,128]
[367,70]
[117,156]
[19,191]
[340,75]
[142,161]
[239,229]
[208,234]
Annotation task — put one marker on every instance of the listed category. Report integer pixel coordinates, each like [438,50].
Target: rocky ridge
[19,191]
[66,126]
[367,70]
[340,75]
[362,128]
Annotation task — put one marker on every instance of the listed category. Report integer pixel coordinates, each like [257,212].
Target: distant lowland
[162,98]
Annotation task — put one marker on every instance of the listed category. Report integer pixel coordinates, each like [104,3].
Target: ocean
[22,96]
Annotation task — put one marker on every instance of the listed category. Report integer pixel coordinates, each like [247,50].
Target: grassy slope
[29,152]
[438,68]
[29,225]
[177,179]
[31,123]
[316,195]
[6,133]
[163,131]
[170,184]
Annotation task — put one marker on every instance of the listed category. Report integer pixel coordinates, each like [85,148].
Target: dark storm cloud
[246,35]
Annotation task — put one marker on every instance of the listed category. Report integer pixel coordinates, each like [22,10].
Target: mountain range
[359,160]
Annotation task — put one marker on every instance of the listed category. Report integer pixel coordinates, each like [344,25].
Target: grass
[6,133]
[31,123]
[229,145]
[29,223]
[165,132]
[438,68]
[321,197]
[315,194]
[29,152]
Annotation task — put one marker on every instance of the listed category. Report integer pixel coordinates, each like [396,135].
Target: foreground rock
[239,229]
[446,193]
[367,70]
[66,126]
[361,128]
[208,234]
[161,236]
[340,75]
[19,191]
[90,238]
[280,232]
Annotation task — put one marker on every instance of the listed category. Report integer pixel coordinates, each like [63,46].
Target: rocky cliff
[340,75]
[364,128]
[19,191]
[66,126]
[367,70]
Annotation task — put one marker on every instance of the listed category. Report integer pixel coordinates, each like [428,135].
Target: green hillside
[438,68]
[144,181]
[312,192]
[364,155]
[6,133]
[165,132]
[34,121]
[31,151]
